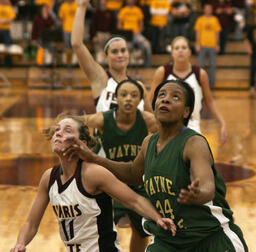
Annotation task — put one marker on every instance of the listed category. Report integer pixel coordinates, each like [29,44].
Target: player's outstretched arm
[129,172]
[105,181]
[95,73]
[30,227]
[202,187]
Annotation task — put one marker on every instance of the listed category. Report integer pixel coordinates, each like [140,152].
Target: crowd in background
[147,25]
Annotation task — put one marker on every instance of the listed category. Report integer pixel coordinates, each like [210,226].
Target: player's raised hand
[18,248]
[76,147]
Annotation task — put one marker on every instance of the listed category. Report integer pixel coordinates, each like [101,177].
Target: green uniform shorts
[230,240]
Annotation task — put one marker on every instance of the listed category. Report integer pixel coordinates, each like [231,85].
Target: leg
[223,39]
[7,42]
[212,66]
[175,30]
[252,70]
[155,32]
[228,238]
[137,243]
[201,57]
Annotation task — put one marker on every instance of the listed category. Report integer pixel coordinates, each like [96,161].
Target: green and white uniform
[200,228]
[124,146]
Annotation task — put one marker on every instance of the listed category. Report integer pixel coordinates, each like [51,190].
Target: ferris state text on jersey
[65,212]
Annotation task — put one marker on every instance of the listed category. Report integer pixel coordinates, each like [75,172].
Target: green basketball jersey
[165,175]
[119,145]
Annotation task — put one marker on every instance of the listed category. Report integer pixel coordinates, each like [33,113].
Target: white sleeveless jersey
[193,80]
[107,99]
[85,220]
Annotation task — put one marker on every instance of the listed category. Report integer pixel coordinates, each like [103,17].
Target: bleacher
[232,68]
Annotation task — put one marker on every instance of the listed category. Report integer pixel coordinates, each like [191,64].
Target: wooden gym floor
[25,154]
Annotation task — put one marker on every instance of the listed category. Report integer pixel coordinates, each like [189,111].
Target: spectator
[130,18]
[180,18]
[67,15]
[207,29]
[103,23]
[42,21]
[49,3]
[159,10]
[145,7]
[240,17]
[7,15]
[251,48]
[225,13]
[114,6]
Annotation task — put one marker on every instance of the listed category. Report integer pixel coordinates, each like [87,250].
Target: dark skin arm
[129,172]
[202,187]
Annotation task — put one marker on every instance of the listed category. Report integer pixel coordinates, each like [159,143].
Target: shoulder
[203,76]
[150,121]
[122,10]
[47,173]
[147,115]
[194,144]
[160,72]
[200,18]
[146,142]
[195,140]
[95,174]
[45,179]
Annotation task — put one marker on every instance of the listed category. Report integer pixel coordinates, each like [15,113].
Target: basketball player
[122,132]
[103,84]
[80,194]
[180,178]
[181,68]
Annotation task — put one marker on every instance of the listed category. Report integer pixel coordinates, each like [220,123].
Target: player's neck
[124,120]
[68,168]
[181,67]
[118,75]
[169,130]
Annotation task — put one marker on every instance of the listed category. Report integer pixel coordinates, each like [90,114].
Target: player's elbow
[76,45]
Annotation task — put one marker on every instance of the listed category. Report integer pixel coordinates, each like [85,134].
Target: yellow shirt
[114,4]
[67,14]
[145,2]
[130,16]
[6,12]
[45,2]
[159,12]
[208,27]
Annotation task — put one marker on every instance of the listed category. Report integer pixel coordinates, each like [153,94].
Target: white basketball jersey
[193,80]
[107,99]
[85,220]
